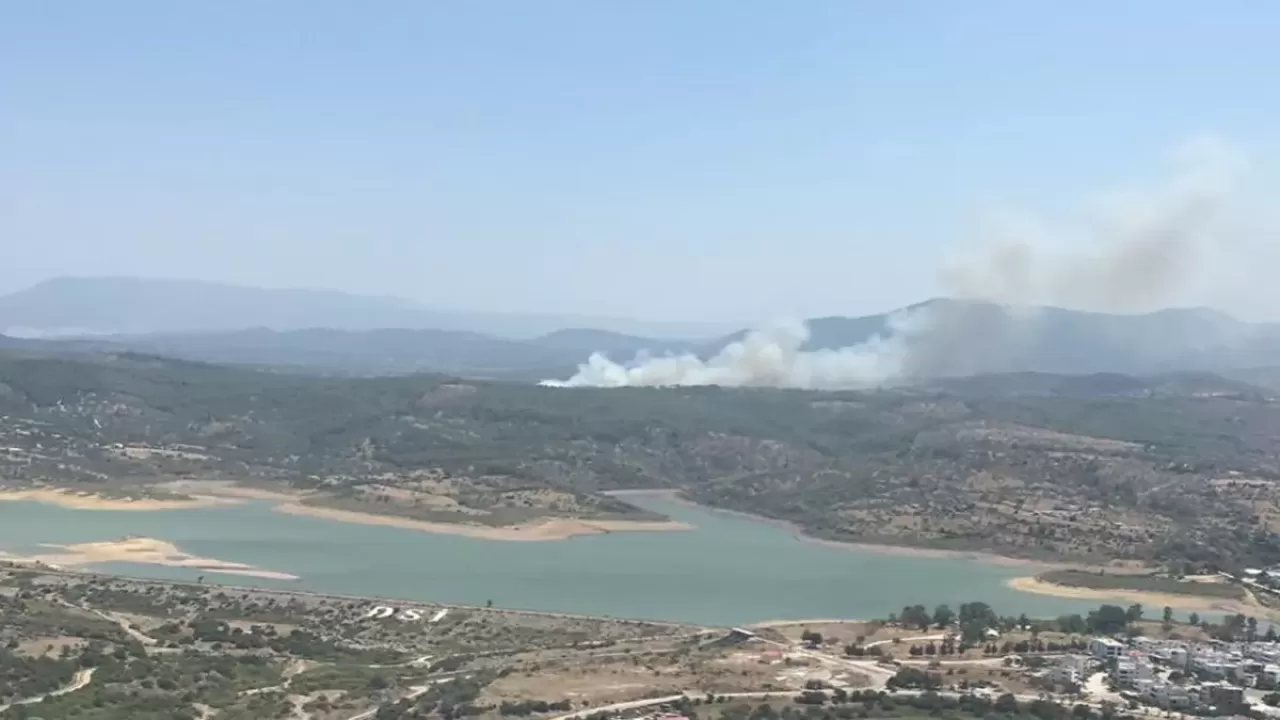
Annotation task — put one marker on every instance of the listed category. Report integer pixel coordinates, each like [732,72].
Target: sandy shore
[144,550]
[1145,598]
[548,529]
[227,491]
[90,501]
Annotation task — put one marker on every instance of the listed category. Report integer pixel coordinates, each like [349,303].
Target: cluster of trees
[22,677]
[861,704]
[974,619]
[914,679]
[950,647]
[449,701]
[1037,646]
[129,684]
[528,707]
[298,643]
[1238,627]
[946,647]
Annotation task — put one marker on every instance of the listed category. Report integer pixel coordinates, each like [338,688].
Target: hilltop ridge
[331,332]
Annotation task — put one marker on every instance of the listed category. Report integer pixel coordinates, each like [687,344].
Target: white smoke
[1137,253]
[771,357]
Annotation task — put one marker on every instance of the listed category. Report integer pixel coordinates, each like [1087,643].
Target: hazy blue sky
[726,160]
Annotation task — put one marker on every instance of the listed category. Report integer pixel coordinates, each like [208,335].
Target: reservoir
[729,570]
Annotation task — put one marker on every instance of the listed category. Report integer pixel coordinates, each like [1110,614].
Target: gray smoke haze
[770,357]
[1137,252]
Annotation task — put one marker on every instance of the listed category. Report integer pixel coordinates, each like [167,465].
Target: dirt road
[81,679]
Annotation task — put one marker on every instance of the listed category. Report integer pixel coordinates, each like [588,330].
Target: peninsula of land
[134,549]
[140,500]
[186,495]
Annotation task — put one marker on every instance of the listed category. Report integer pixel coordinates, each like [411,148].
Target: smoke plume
[772,357]
[1135,253]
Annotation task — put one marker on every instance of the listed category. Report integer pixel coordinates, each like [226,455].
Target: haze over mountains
[131,306]
[333,332]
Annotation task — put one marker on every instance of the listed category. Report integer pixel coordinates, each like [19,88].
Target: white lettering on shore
[385,612]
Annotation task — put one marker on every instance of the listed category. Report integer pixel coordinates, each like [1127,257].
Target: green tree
[1194,618]
[915,616]
[1107,620]
[973,632]
[943,616]
[1072,624]
[1167,618]
[1134,613]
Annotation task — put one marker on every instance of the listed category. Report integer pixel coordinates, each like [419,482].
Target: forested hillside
[1166,469]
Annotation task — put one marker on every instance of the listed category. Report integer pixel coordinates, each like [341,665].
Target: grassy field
[1144,583]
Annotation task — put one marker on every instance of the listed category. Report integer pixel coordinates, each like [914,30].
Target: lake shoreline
[201,494]
[675,577]
[1037,586]
[799,533]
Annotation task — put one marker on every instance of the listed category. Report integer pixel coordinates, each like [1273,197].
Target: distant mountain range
[325,331]
[131,306]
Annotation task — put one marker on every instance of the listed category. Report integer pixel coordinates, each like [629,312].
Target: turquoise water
[729,570]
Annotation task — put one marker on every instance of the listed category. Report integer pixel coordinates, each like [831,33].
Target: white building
[1214,663]
[1070,669]
[1063,675]
[1221,694]
[1167,695]
[1263,651]
[1132,668]
[1105,648]
[1080,663]
[1175,655]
